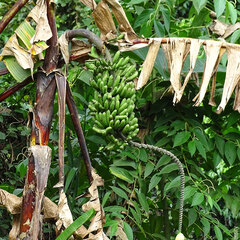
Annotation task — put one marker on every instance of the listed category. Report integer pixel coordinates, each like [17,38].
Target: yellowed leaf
[23,57]
[232,75]
[212,50]
[148,63]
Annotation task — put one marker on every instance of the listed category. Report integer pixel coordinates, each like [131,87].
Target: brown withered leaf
[222,29]
[212,50]
[97,222]
[104,21]
[176,50]
[211,100]
[232,75]
[64,214]
[63,42]
[148,63]
[10,201]
[90,3]
[124,25]
[236,105]
[79,48]
[23,57]
[195,45]
[39,15]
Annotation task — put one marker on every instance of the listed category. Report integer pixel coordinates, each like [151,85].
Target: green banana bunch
[113,103]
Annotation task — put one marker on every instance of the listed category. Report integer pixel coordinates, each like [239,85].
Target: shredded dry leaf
[232,75]
[148,63]
[63,42]
[64,214]
[79,48]
[90,3]
[211,100]
[212,50]
[12,48]
[97,221]
[104,21]
[236,105]
[195,45]
[124,25]
[39,15]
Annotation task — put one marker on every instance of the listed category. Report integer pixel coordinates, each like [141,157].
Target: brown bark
[77,125]
[11,13]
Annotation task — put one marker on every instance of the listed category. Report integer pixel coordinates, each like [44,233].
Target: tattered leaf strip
[97,221]
[124,25]
[212,50]
[236,105]
[13,48]
[179,51]
[61,86]
[76,224]
[194,50]
[65,218]
[39,15]
[148,63]
[175,58]
[89,3]
[232,75]
[63,42]
[211,100]
[104,20]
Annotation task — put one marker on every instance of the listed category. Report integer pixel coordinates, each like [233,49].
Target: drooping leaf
[206,226]
[188,192]
[144,203]
[154,181]
[192,216]
[169,168]
[148,170]
[181,138]
[128,230]
[219,6]
[233,12]
[197,199]
[120,192]
[191,147]
[218,233]
[230,152]
[199,4]
[76,224]
[200,148]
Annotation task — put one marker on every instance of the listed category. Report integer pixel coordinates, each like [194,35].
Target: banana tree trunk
[39,152]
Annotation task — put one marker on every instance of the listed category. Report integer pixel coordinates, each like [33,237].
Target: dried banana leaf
[148,63]
[104,21]
[212,50]
[232,75]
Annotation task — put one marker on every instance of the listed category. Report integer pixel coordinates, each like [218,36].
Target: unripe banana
[116,57]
